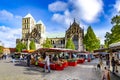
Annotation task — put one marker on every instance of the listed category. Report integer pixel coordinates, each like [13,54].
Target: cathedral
[32,30]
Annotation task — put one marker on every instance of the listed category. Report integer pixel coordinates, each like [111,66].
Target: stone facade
[32,31]
[36,31]
[58,42]
[75,32]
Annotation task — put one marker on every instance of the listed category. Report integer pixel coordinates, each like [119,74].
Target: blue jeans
[47,66]
[13,60]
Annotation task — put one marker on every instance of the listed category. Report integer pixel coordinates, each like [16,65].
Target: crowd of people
[3,56]
[110,66]
[106,70]
[47,59]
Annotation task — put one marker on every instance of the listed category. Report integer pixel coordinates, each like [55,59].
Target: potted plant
[72,62]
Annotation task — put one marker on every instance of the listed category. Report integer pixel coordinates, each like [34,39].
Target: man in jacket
[113,64]
[28,59]
[47,63]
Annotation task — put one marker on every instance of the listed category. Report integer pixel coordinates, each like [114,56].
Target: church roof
[75,23]
[40,22]
[55,35]
[28,15]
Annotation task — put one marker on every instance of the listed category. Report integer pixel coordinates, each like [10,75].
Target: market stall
[62,62]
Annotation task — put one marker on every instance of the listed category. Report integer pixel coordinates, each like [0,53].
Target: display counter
[54,66]
[80,60]
[74,63]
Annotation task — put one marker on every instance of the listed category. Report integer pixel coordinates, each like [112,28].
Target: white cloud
[57,6]
[83,10]
[87,10]
[5,15]
[115,9]
[9,35]
[65,19]
[11,19]
[117,6]
[18,17]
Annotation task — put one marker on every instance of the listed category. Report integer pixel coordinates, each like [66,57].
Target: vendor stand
[61,63]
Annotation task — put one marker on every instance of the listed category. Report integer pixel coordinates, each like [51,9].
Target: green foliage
[24,46]
[1,49]
[20,46]
[32,45]
[107,40]
[47,44]
[114,35]
[72,60]
[90,40]
[70,44]
[115,20]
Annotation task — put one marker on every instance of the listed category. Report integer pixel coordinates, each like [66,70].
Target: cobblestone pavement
[19,71]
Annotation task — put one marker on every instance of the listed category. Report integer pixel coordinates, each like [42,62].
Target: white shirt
[47,60]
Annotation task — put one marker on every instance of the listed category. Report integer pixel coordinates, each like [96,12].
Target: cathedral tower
[28,24]
[75,32]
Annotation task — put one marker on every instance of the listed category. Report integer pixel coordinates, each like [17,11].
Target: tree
[115,20]
[107,40]
[24,46]
[32,45]
[113,36]
[70,44]
[20,46]
[1,49]
[91,42]
[47,44]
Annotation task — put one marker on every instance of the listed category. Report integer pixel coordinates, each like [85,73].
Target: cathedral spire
[74,19]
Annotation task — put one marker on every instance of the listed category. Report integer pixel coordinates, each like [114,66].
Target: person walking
[13,58]
[101,63]
[106,74]
[47,63]
[113,64]
[108,63]
[116,65]
[21,57]
[28,59]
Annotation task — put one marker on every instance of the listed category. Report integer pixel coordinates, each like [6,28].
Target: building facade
[58,42]
[74,32]
[32,30]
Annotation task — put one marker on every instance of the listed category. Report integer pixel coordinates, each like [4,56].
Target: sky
[57,15]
